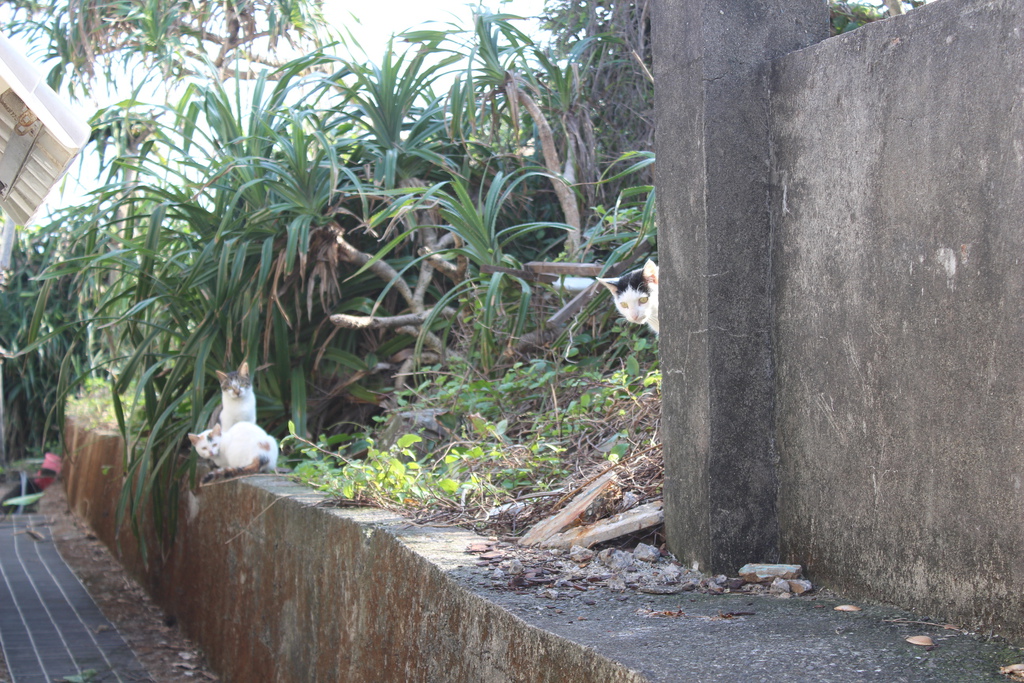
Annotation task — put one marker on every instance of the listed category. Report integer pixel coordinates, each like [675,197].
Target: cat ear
[651,272]
[243,369]
[194,438]
[221,375]
[216,430]
[610,283]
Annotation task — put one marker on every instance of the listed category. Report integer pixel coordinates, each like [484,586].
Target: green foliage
[847,16]
[511,437]
[39,355]
[30,499]
[92,406]
[163,40]
[286,219]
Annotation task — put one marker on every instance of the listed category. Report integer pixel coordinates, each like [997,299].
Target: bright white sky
[380,19]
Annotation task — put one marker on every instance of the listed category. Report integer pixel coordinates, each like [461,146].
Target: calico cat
[207,445]
[237,398]
[636,294]
[243,449]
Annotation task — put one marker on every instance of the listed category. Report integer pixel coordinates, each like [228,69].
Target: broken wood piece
[527,275]
[628,522]
[370,322]
[557,268]
[568,515]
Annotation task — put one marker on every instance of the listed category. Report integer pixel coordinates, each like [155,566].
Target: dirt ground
[160,646]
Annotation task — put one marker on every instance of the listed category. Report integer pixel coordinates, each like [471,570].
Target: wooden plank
[529,276]
[573,307]
[557,268]
[624,523]
[568,515]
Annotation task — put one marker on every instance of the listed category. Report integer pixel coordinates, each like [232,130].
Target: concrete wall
[891,457]
[712,137]
[898,201]
[278,589]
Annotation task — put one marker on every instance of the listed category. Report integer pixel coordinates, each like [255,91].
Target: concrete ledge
[276,587]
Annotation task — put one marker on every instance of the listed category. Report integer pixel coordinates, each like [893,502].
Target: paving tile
[48,621]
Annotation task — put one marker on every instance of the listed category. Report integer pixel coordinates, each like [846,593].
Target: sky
[380,19]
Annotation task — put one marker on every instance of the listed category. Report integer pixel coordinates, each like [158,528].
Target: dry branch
[380,268]
[370,322]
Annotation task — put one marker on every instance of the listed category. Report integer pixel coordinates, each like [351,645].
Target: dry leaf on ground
[923,641]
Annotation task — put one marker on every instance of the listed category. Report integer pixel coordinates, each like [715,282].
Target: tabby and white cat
[243,449]
[237,398]
[636,294]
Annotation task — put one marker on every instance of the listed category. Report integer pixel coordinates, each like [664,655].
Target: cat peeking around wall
[636,294]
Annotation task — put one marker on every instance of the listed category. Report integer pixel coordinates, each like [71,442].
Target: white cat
[243,449]
[237,398]
[636,294]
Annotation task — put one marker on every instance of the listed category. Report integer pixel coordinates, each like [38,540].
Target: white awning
[39,136]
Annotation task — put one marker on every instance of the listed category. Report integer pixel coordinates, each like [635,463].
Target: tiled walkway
[50,628]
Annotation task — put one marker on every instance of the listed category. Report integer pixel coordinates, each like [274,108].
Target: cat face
[636,293]
[235,383]
[207,444]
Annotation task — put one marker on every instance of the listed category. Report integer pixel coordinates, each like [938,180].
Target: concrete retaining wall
[276,588]
[891,460]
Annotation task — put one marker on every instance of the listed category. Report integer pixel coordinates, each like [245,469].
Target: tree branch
[370,322]
[566,197]
[380,268]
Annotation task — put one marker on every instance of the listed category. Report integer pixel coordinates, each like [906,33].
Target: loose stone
[762,573]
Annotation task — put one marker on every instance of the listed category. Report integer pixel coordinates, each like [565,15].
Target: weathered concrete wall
[275,588]
[898,203]
[861,413]
[711,75]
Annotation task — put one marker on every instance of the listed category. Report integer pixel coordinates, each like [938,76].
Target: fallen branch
[371,322]
[565,194]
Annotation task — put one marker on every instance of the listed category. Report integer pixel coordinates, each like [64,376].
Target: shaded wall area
[898,201]
[275,587]
[860,413]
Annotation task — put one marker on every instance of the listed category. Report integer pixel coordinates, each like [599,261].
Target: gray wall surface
[872,433]
[898,200]
[711,133]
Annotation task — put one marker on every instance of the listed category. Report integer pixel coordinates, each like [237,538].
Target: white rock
[759,573]
[616,560]
[579,554]
[646,553]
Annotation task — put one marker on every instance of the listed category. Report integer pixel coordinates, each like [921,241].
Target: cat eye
[643,299]
[624,304]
